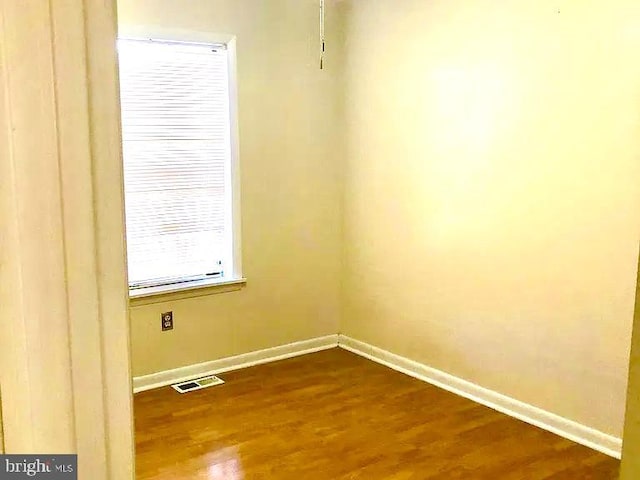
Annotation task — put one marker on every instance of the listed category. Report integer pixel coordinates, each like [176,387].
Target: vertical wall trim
[630,467]
[64,361]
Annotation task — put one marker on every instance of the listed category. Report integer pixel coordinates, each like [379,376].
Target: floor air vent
[199,383]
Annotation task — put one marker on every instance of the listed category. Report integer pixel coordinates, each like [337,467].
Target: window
[178,144]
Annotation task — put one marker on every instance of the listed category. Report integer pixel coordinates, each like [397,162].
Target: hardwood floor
[334,415]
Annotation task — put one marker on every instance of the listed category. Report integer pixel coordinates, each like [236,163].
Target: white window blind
[176,149]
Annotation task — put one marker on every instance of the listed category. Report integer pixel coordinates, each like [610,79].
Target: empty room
[321,239]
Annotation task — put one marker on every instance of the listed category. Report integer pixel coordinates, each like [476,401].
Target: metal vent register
[200,383]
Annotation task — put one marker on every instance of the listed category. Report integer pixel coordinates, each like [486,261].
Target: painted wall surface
[291,163]
[630,469]
[491,194]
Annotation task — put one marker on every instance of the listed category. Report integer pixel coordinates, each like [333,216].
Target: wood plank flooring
[333,415]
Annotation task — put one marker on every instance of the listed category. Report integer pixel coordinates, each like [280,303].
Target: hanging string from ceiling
[321,34]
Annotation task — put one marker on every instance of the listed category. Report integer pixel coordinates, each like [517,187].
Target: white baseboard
[167,377]
[566,428]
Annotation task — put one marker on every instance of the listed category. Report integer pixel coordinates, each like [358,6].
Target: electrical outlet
[167,321]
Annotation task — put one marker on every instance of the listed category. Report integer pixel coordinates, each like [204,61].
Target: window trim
[143,296]
[142,32]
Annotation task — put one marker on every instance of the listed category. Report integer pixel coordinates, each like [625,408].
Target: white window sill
[197,288]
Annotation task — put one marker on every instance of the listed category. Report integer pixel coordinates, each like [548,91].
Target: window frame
[235,277]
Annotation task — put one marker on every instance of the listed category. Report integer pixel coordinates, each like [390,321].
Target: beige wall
[290,160]
[630,459]
[490,194]
[492,191]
